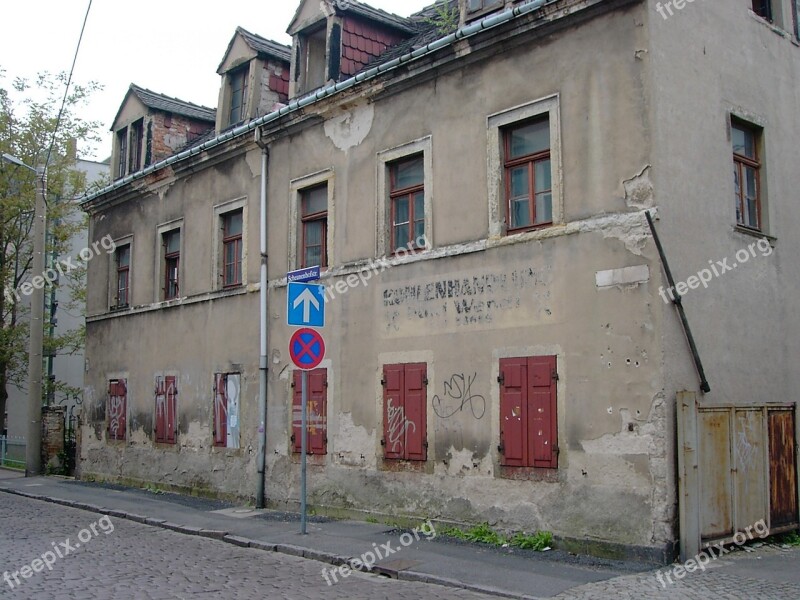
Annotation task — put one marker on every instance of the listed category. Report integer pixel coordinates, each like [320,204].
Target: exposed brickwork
[169,133]
[274,86]
[362,42]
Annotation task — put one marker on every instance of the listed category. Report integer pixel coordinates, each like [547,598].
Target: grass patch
[792,538]
[371,520]
[484,534]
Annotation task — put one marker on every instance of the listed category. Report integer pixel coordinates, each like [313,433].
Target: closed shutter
[317,411]
[405,400]
[117,409]
[528,412]
[170,421]
[317,420]
[161,410]
[415,404]
[542,433]
[220,411]
[513,411]
[394,442]
[297,411]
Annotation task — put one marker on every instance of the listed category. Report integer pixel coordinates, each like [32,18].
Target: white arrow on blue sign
[305,305]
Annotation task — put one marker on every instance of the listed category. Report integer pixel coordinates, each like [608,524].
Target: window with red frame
[747,175]
[123,275]
[232,249]
[528,177]
[314,219]
[172,259]
[407,197]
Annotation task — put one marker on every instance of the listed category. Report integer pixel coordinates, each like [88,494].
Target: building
[501,345]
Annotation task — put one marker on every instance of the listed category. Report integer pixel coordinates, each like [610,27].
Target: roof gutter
[294,105]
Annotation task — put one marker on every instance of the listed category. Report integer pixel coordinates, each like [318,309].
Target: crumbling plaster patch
[350,128]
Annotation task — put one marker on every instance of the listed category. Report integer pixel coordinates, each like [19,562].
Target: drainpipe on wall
[262,359]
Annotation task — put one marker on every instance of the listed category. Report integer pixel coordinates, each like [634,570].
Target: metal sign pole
[303,451]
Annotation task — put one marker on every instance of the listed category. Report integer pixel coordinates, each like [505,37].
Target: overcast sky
[169,46]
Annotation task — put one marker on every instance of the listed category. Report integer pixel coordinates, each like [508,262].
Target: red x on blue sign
[307,349]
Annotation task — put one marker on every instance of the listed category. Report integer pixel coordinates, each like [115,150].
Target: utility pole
[33,447]
[33,444]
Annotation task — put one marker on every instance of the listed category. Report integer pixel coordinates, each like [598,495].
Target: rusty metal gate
[737,465]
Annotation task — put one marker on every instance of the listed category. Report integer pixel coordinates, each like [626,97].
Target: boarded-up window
[117,409]
[317,412]
[227,391]
[404,411]
[166,409]
[528,420]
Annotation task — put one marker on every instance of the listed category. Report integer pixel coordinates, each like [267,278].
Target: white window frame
[220,210]
[296,187]
[383,226]
[548,106]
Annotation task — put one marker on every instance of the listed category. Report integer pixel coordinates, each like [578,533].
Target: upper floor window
[763,8]
[407,196]
[747,175]
[314,219]
[123,264]
[137,135]
[172,257]
[232,249]
[528,175]
[313,46]
[122,157]
[238,83]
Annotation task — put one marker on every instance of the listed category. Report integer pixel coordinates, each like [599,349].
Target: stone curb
[288,549]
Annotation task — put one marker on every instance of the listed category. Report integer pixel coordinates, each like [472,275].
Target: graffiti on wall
[465,301]
[397,427]
[457,395]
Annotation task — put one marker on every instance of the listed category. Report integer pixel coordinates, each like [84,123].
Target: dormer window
[130,147]
[313,46]
[238,83]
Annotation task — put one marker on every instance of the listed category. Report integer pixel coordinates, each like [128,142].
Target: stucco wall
[612,483]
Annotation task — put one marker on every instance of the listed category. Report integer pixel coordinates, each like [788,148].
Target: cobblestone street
[138,561]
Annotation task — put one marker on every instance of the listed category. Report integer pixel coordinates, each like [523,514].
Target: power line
[66,90]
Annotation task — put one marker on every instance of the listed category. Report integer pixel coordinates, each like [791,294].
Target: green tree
[28,115]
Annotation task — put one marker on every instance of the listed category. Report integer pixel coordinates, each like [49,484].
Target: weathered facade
[499,347]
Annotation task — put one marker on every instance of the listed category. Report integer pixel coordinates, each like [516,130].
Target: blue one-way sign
[305,305]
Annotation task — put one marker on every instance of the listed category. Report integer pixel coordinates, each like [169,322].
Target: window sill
[528,229]
[143,308]
[755,233]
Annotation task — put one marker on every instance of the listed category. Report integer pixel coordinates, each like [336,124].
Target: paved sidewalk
[767,573]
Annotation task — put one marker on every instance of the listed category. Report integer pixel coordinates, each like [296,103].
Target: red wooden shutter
[161,410]
[513,411]
[317,411]
[220,411]
[117,409]
[542,422]
[170,424]
[393,412]
[416,401]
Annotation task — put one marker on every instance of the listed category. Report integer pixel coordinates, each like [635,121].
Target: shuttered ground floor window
[117,409]
[404,412]
[528,419]
[166,425]
[227,388]
[316,411]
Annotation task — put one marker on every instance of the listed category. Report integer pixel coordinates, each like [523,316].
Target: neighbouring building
[501,344]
